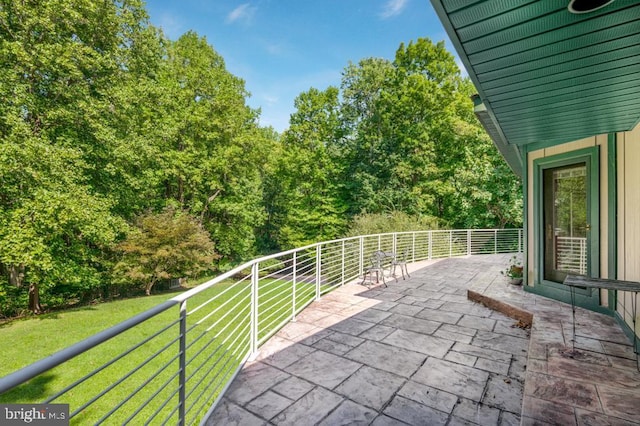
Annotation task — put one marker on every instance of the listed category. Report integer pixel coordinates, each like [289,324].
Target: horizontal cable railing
[571,254]
[172,363]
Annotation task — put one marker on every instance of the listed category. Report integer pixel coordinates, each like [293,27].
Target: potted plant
[514,271]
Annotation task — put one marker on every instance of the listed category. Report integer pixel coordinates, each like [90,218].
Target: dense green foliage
[415,146]
[103,119]
[375,223]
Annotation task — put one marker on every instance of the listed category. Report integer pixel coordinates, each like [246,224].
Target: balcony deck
[421,352]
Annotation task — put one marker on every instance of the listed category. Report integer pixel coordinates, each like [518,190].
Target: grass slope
[142,385]
[28,340]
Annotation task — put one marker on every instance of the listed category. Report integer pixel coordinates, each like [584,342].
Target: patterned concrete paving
[418,352]
[421,353]
[592,382]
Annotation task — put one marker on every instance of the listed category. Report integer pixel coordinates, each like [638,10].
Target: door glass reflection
[565,211]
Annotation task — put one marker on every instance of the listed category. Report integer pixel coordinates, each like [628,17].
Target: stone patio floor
[420,352]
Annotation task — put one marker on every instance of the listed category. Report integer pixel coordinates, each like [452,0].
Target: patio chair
[376,267]
[402,263]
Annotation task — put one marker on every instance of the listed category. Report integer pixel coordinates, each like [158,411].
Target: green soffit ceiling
[544,74]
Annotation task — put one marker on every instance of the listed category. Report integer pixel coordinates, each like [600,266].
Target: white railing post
[495,241]
[294,280]
[468,242]
[430,245]
[583,255]
[361,256]
[519,240]
[450,242]
[394,242]
[318,270]
[413,246]
[342,265]
[254,310]
[182,377]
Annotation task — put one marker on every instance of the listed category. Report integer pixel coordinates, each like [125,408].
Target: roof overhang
[544,74]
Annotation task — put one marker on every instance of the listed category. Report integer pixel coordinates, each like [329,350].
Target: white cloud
[270,100]
[275,49]
[243,13]
[171,25]
[393,8]
[279,120]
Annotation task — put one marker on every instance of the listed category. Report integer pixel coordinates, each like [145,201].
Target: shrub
[376,223]
[162,246]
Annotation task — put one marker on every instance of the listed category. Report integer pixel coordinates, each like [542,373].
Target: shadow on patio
[421,352]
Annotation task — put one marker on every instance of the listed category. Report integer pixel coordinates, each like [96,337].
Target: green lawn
[216,343]
[28,340]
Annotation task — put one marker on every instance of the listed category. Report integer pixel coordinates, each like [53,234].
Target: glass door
[566,219]
[566,224]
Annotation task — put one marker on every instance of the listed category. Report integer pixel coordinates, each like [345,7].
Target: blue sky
[281,48]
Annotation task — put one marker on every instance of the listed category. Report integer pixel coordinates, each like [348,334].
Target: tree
[413,144]
[363,145]
[210,149]
[306,206]
[486,188]
[103,118]
[165,245]
[56,60]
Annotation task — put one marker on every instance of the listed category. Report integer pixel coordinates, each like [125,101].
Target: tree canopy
[106,125]
[414,145]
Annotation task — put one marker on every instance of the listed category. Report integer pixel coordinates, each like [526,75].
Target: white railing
[172,363]
[571,254]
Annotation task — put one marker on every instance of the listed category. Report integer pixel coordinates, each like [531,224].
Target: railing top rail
[39,367]
[410,232]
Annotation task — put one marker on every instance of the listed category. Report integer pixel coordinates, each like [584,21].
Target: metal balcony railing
[571,254]
[182,354]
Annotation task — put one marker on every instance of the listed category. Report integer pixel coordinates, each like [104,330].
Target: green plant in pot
[514,271]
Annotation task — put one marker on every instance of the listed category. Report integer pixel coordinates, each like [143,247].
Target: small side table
[574,281]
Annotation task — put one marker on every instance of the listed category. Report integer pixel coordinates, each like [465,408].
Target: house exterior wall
[625,195]
[628,176]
